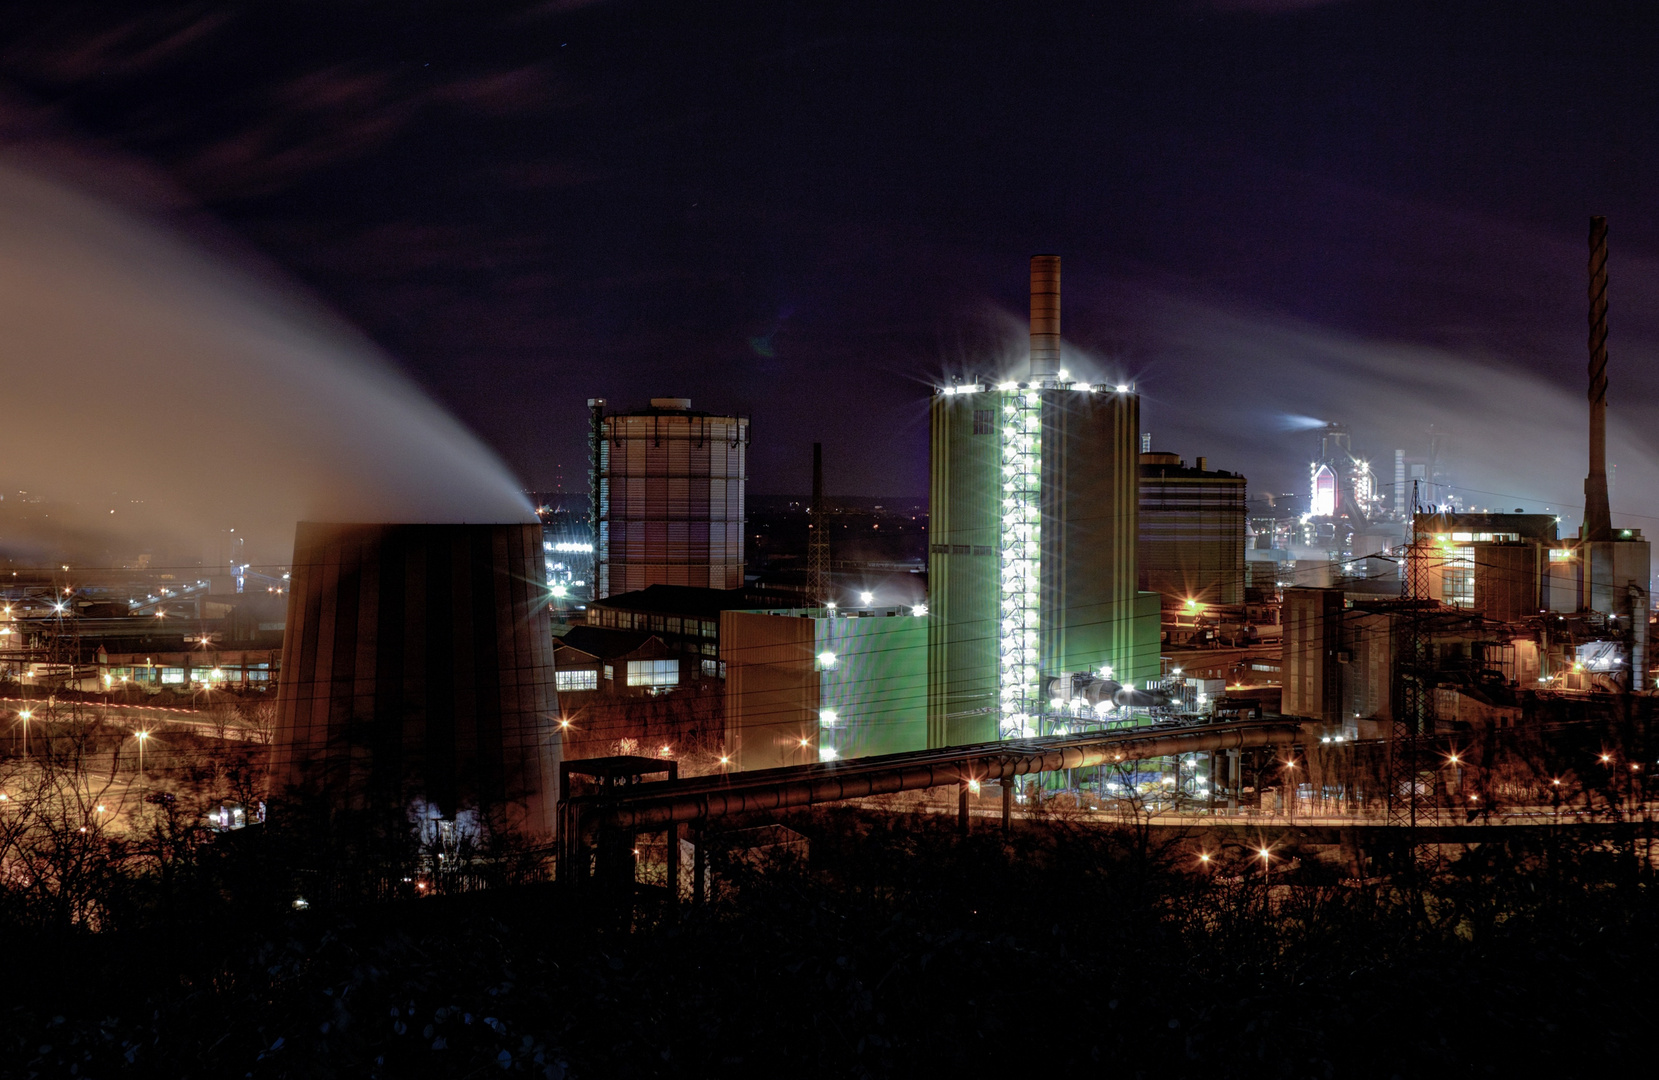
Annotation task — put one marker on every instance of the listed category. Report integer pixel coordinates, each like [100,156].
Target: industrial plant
[661,694]
[1033,567]
[1068,585]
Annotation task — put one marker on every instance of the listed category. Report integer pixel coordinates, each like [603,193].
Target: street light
[143,737]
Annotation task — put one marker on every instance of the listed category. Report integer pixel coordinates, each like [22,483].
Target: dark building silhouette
[418,672]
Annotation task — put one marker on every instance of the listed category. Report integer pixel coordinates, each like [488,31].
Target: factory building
[667,496]
[567,542]
[685,617]
[1340,654]
[1033,563]
[1192,531]
[808,685]
[629,663]
[1505,566]
[1501,604]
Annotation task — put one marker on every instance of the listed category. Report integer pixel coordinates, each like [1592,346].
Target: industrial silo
[417,673]
[668,490]
[1033,580]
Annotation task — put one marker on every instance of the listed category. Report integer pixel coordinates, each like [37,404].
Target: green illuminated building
[1032,567]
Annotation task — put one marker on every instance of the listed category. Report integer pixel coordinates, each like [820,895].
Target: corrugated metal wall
[1192,536]
[963,569]
[671,501]
[1091,534]
[418,664]
[771,689]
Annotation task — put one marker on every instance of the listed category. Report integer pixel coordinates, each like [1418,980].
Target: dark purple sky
[810,216]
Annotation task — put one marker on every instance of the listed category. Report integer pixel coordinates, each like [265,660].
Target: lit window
[578,679]
[653,673]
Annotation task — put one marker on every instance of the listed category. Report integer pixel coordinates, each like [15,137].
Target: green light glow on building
[1037,623]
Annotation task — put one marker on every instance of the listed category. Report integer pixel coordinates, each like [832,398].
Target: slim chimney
[818,560]
[1598,520]
[1045,315]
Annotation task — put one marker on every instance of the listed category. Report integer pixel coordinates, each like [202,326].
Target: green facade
[962,561]
[1065,496]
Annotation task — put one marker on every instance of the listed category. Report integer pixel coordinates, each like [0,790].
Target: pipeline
[661,805]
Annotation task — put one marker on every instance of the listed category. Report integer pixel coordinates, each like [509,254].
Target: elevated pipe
[644,811]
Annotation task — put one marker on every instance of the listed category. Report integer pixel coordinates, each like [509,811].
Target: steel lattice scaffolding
[1414,710]
[1020,558]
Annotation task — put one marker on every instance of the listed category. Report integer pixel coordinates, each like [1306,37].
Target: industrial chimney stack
[1045,315]
[1598,519]
[818,557]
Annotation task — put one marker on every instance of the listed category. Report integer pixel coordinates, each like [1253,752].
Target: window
[714,669]
[985,422]
[578,679]
[172,675]
[610,673]
[653,673]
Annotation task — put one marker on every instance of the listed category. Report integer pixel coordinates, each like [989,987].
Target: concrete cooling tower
[417,673]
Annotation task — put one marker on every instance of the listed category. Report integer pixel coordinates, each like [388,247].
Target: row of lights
[1062,376]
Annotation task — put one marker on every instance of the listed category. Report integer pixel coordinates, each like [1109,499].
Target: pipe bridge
[605,823]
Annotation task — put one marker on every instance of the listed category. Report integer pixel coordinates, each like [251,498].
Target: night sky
[1370,212]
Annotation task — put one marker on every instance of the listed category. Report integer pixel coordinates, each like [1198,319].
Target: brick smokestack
[1598,520]
[1045,315]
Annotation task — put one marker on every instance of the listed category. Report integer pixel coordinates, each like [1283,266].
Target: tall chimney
[1045,315]
[1598,520]
[817,553]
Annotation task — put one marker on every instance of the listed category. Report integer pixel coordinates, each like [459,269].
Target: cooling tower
[417,672]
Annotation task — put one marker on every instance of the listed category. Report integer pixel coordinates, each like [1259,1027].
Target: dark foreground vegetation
[896,948]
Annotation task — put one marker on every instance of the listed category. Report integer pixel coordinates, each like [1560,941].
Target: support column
[674,864]
[1211,785]
[1007,806]
[962,808]
[699,863]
